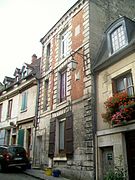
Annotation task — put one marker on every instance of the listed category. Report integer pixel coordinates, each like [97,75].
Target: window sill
[22,111]
[61,103]
[60,158]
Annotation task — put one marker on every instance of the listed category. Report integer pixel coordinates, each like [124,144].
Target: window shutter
[52,138]
[69,133]
[21,137]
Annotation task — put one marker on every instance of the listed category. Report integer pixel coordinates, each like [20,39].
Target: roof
[103,59]
[10,82]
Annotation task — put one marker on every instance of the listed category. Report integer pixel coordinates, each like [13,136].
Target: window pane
[64,44]
[0,111]
[125,83]
[61,135]
[63,84]
[120,85]
[24,101]
[9,108]
[118,38]
[46,94]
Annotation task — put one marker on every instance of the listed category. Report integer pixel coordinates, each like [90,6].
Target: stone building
[18,106]
[66,119]
[114,70]
[64,132]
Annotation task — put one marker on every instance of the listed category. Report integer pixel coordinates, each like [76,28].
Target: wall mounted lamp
[73,63]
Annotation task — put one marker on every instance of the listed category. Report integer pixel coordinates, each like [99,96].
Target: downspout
[36,120]
[93,99]
[95,123]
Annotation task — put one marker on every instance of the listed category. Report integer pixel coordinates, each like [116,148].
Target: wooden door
[130,144]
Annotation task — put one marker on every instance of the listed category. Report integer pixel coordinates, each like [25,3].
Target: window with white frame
[24,101]
[48,52]
[124,83]
[63,85]
[1,105]
[64,44]
[9,110]
[62,135]
[118,38]
[46,91]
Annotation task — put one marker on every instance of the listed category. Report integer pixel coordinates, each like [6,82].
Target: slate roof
[103,59]
[35,71]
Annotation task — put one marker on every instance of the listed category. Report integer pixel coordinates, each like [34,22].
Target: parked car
[13,156]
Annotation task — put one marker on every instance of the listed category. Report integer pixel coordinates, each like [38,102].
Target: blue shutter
[21,137]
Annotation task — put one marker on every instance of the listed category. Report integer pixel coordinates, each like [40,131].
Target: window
[124,83]
[1,111]
[61,135]
[64,44]
[63,85]
[48,51]
[118,38]
[24,101]
[46,88]
[9,108]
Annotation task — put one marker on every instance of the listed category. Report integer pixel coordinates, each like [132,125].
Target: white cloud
[22,24]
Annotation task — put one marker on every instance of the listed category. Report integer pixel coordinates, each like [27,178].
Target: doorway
[130,145]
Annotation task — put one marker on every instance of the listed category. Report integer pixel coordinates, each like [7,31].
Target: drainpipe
[36,120]
[94,119]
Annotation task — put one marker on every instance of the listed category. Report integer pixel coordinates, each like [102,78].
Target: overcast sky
[22,24]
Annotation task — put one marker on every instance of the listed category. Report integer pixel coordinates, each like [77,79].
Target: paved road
[15,174]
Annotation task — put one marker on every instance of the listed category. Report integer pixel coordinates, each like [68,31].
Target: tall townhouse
[65,134]
[114,70]
[18,100]
[66,126]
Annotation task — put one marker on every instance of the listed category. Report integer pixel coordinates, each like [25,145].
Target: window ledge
[60,158]
[22,111]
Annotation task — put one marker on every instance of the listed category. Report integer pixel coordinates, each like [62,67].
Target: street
[15,174]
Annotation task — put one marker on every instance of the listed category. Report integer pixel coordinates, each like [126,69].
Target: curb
[37,177]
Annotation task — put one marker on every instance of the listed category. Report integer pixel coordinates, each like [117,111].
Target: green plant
[118,173]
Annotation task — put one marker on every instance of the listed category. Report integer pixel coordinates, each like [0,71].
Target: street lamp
[72,65]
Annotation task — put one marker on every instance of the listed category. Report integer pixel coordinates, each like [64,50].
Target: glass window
[118,39]
[48,51]
[125,83]
[9,108]
[61,135]
[46,88]
[24,101]
[1,111]
[64,44]
[63,85]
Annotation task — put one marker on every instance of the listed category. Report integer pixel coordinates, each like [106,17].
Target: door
[107,159]
[130,145]
[21,137]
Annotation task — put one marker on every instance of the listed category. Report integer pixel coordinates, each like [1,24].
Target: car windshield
[16,150]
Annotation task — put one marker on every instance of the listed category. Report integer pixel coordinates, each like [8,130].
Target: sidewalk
[40,174]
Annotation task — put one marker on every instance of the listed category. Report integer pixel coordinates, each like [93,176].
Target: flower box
[120,109]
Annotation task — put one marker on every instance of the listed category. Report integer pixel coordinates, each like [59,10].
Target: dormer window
[117,37]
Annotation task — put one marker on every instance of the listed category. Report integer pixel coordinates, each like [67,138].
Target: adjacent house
[18,104]
[114,71]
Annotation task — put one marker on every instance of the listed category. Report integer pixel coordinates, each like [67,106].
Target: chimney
[34,58]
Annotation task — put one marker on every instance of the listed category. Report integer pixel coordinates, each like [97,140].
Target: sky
[22,24]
